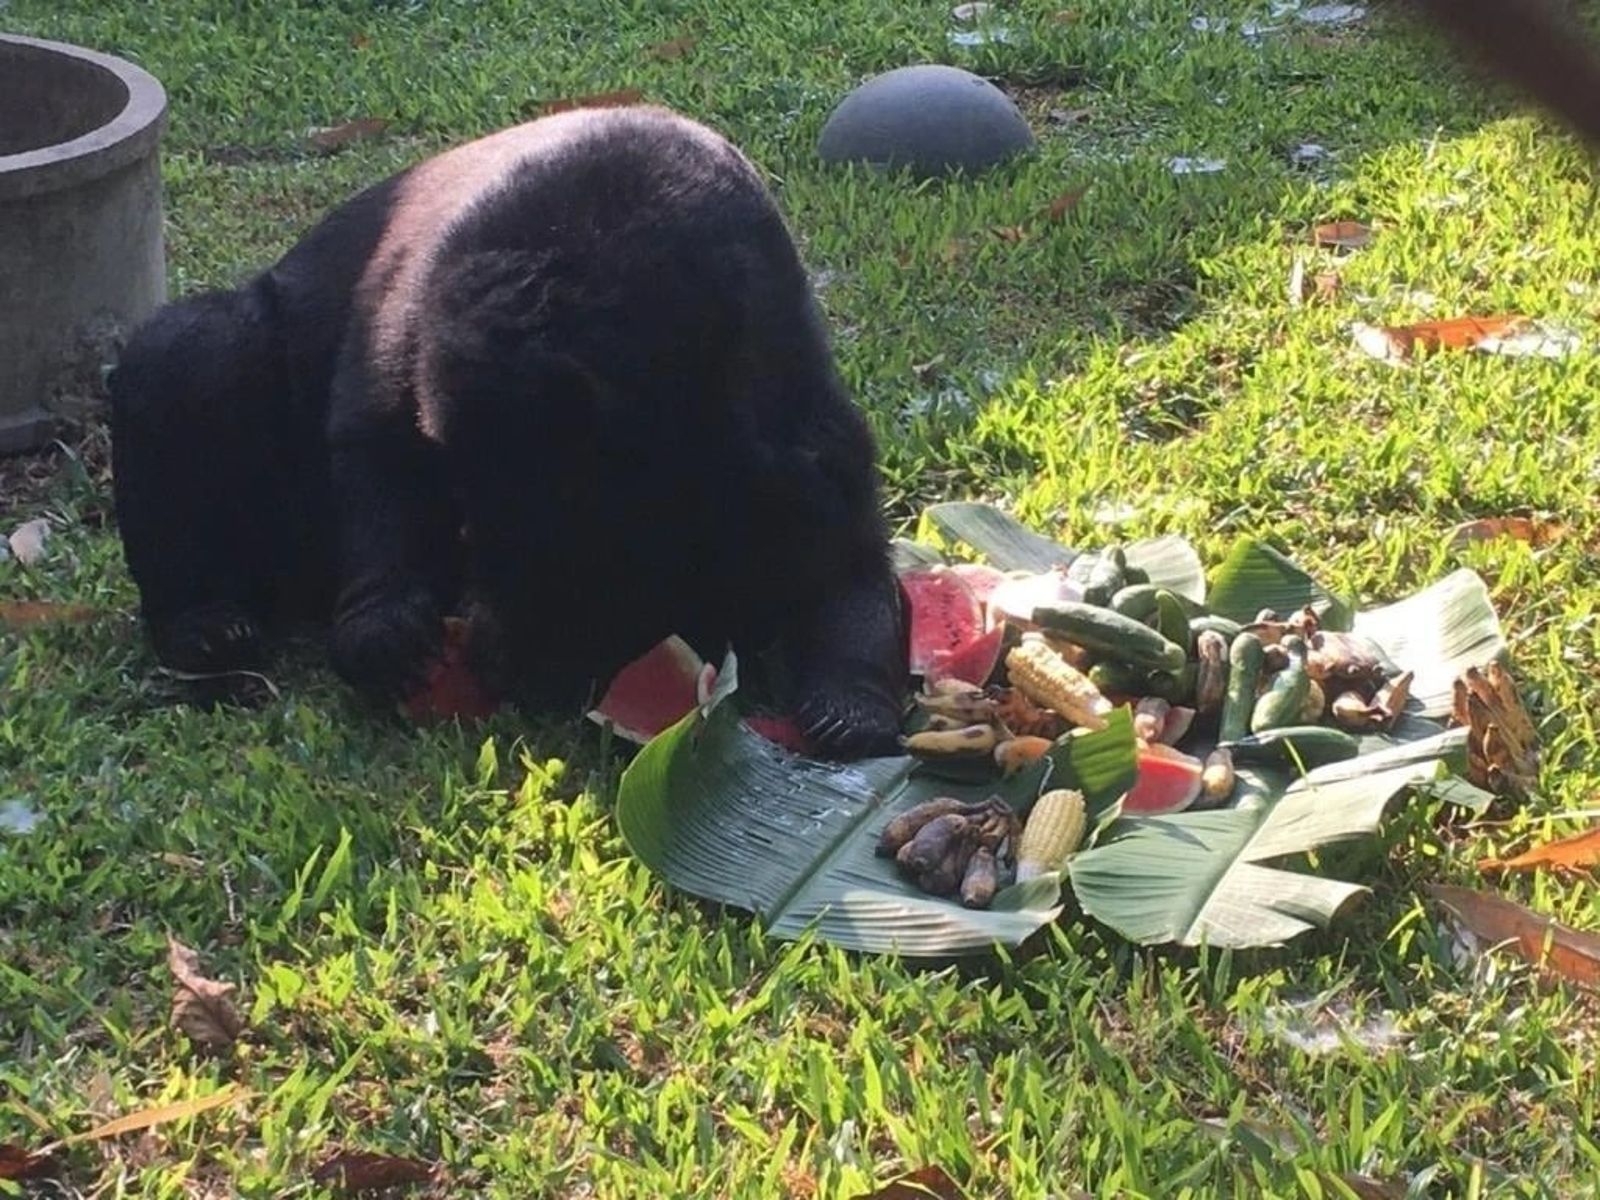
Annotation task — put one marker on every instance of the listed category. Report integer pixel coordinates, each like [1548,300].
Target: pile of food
[949,847]
[1012,662]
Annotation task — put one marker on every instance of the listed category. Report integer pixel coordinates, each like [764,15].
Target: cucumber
[1244,668]
[1172,622]
[1121,679]
[1137,600]
[1107,578]
[1115,678]
[1111,634]
[1312,745]
[1228,629]
[1285,696]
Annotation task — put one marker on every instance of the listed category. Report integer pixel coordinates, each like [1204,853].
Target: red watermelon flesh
[450,689]
[1169,782]
[945,615]
[652,692]
[973,662]
[981,578]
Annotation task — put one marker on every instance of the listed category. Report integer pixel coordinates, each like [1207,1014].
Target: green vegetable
[1285,696]
[1311,745]
[1106,578]
[1228,629]
[1111,634]
[1244,669]
[1137,600]
[1172,622]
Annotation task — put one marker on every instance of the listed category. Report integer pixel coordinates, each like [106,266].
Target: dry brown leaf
[1328,284]
[617,99]
[358,1171]
[919,1185]
[1412,341]
[27,541]
[1065,16]
[676,48]
[340,136]
[17,1163]
[1064,203]
[200,1006]
[1011,233]
[25,614]
[952,250]
[360,41]
[1536,531]
[1546,943]
[145,1118]
[1343,235]
[1070,116]
[1502,743]
[1575,853]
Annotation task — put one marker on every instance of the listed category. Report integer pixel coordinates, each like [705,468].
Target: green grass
[442,945]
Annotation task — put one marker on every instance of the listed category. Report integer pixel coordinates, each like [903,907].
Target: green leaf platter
[718,811]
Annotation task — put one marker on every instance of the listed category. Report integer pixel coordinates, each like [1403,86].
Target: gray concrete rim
[127,137]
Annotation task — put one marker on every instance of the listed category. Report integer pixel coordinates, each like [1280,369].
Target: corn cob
[1048,679]
[1053,831]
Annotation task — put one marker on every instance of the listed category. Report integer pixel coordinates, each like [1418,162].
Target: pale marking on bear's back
[437,194]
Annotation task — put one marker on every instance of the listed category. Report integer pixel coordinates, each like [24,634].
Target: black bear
[569,378]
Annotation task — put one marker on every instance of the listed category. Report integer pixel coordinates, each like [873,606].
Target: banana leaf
[1254,576]
[1170,561]
[1203,878]
[716,810]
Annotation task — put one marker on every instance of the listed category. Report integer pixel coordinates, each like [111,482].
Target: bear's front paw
[208,640]
[845,721]
[383,643]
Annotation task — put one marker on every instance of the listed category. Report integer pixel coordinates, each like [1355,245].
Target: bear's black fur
[569,378]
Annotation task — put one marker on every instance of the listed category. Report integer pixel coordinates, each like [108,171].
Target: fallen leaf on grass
[1342,235]
[26,614]
[361,1171]
[1011,233]
[1502,743]
[1398,342]
[1064,203]
[1536,531]
[1575,853]
[1070,116]
[676,48]
[200,1006]
[617,99]
[919,1185]
[1542,941]
[148,1117]
[359,41]
[17,1163]
[339,136]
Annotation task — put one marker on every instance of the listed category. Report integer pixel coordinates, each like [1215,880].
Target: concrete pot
[81,253]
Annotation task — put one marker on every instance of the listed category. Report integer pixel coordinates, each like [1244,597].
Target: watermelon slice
[945,615]
[973,661]
[450,689]
[653,692]
[1169,782]
[981,578]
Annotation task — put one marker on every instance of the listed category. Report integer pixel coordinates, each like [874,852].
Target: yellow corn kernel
[1053,831]
[1048,679]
